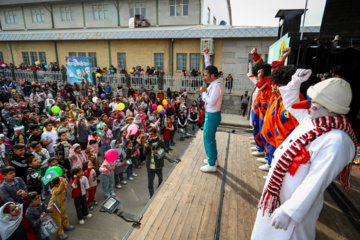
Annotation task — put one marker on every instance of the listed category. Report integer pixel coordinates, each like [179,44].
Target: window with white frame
[179,7]
[208,16]
[42,57]
[1,57]
[159,60]
[81,54]
[137,8]
[214,21]
[121,58]
[92,59]
[72,54]
[33,56]
[67,14]
[37,15]
[10,17]
[100,11]
[25,56]
[181,59]
[194,61]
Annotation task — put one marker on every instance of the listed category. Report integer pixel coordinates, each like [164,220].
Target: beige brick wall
[5,49]
[33,46]
[100,47]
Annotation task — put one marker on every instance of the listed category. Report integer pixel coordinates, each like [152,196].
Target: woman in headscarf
[169,111]
[86,110]
[95,111]
[74,112]
[31,107]
[13,222]
[146,104]
[33,118]
[12,102]
[138,119]
[168,93]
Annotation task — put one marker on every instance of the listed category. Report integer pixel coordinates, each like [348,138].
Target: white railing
[43,76]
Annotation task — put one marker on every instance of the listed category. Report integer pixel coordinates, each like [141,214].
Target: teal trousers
[212,121]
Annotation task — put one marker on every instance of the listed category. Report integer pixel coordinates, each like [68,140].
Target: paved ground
[232,119]
[133,196]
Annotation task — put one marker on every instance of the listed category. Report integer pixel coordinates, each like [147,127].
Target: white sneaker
[207,163]
[88,216]
[265,167]
[134,175]
[253,142]
[258,154]
[251,138]
[81,222]
[208,168]
[118,186]
[130,178]
[265,177]
[113,194]
[262,160]
[124,182]
[254,148]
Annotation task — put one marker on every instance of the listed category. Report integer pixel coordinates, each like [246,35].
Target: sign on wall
[276,49]
[78,68]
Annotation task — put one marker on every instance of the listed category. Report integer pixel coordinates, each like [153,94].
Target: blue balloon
[137,66]
[46,66]
[46,78]
[112,70]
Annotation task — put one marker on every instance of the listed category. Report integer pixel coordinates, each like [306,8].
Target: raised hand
[285,53]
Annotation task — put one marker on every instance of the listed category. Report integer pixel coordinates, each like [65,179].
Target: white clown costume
[294,212]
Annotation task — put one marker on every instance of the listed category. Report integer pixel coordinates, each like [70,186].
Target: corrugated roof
[199,31]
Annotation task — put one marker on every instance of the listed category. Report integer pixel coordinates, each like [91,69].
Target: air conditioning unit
[207,43]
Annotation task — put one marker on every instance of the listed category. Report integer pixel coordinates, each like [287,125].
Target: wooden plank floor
[187,204]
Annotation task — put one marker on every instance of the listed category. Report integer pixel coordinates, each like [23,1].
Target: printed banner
[276,49]
[78,68]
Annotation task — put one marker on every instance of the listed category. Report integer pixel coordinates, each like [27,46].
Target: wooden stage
[187,204]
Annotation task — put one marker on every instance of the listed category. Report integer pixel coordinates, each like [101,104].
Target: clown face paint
[316,111]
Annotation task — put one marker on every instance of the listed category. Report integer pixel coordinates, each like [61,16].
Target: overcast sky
[262,12]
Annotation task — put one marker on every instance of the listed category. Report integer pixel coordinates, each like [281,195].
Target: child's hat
[76,145]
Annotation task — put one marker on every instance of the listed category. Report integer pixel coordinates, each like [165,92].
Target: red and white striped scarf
[270,199]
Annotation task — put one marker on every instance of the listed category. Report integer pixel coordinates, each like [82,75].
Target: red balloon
[165,106]
[172,105]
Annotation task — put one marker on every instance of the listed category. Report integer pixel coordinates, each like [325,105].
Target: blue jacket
[108,89]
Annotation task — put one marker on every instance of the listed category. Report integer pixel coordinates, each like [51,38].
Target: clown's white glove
[300,76]
[250,75]
[280,219]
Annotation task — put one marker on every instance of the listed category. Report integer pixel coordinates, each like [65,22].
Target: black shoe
[98,180]
[170,149]
[166,151]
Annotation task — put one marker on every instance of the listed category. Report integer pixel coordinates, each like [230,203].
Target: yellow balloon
[98,75]
[131,70]
[164,102]
[14,90]
[159,108]
[37,62]
[121,106]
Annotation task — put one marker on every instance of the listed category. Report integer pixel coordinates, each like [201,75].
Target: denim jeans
[172,139]
[108,184]
[181,135]
[104,148]
[129,171]
[192,126]
[151,175]
[118,178]
[167,144]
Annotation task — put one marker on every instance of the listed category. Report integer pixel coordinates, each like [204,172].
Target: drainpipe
[22,9]
[157,13]
[11,52]
[83,12]
[109,47]
[172,59]
[56,53]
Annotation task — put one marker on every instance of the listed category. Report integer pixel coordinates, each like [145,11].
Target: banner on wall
[276,49]
[78,68]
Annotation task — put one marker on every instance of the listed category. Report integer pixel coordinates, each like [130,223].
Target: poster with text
[78,68]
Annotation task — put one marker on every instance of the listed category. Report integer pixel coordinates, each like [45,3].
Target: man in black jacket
[154,163]
[4,96]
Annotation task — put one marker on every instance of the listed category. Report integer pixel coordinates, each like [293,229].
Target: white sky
[262,12]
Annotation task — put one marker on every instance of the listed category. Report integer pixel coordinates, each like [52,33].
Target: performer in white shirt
[212,96]
[319,148]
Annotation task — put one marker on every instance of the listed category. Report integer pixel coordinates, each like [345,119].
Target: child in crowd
[11,186]
[140,158]
[93,158]
[36,211]
[43,156]
[13,221]
[173,122]
[107,170]
[182,121]
[50,137]
[119,170]
[77,157]
[33,178]
[201,117]
[90,174]
[80,185]
[53,162]
[193,119]
[116,129]
[58,201]
[168,134]
[84,131]
[130,155]
[2,153]
[105,140]
[93,142]
[18,136]
[62,150]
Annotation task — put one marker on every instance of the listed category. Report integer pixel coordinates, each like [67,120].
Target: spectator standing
[244,102]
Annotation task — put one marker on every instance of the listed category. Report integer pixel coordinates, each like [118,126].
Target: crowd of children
[54,125]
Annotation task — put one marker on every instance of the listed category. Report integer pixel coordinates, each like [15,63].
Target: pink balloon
[154,107]
[133,128]
[111,155]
